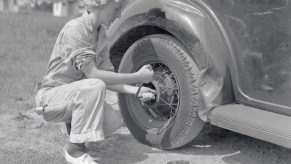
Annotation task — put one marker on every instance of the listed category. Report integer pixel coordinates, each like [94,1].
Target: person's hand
[145,74]
[147,94]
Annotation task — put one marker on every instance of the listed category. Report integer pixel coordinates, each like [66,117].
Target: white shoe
[84,159]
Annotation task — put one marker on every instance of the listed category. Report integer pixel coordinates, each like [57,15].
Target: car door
[261,31]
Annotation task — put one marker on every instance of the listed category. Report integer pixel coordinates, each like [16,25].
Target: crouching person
[74,87]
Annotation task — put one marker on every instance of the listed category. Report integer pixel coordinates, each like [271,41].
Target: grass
[26,42]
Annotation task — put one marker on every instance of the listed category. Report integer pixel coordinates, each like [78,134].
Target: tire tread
[193,80]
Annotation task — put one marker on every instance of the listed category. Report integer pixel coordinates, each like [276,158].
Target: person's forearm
[123,88]
[112,78]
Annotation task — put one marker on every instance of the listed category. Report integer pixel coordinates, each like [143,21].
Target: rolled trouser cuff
[87,137]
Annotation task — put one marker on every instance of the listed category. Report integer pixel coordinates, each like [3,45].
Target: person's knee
[97,84]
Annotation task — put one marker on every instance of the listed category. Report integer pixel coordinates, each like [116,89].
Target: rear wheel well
[127,39]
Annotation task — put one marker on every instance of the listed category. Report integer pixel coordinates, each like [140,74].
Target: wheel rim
[159,113]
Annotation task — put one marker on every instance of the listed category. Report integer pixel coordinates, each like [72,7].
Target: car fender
[190,24]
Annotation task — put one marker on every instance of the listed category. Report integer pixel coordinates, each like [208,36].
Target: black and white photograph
[145,81]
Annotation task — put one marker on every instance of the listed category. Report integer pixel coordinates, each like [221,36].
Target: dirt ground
[26,138]
[25,44]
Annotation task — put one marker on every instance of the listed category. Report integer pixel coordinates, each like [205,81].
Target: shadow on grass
[119,148]
[233,147]
[212,143]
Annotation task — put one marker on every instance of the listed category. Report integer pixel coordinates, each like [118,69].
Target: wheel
[171,120]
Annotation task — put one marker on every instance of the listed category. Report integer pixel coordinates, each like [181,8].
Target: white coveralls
[65,92]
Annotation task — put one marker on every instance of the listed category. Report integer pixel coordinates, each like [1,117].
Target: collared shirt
[76,49]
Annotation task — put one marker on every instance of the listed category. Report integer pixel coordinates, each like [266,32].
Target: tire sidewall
[145,51]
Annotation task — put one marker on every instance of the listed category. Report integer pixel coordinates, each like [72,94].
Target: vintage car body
[241,49]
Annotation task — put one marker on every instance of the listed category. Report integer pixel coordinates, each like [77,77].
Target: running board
[257,123]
